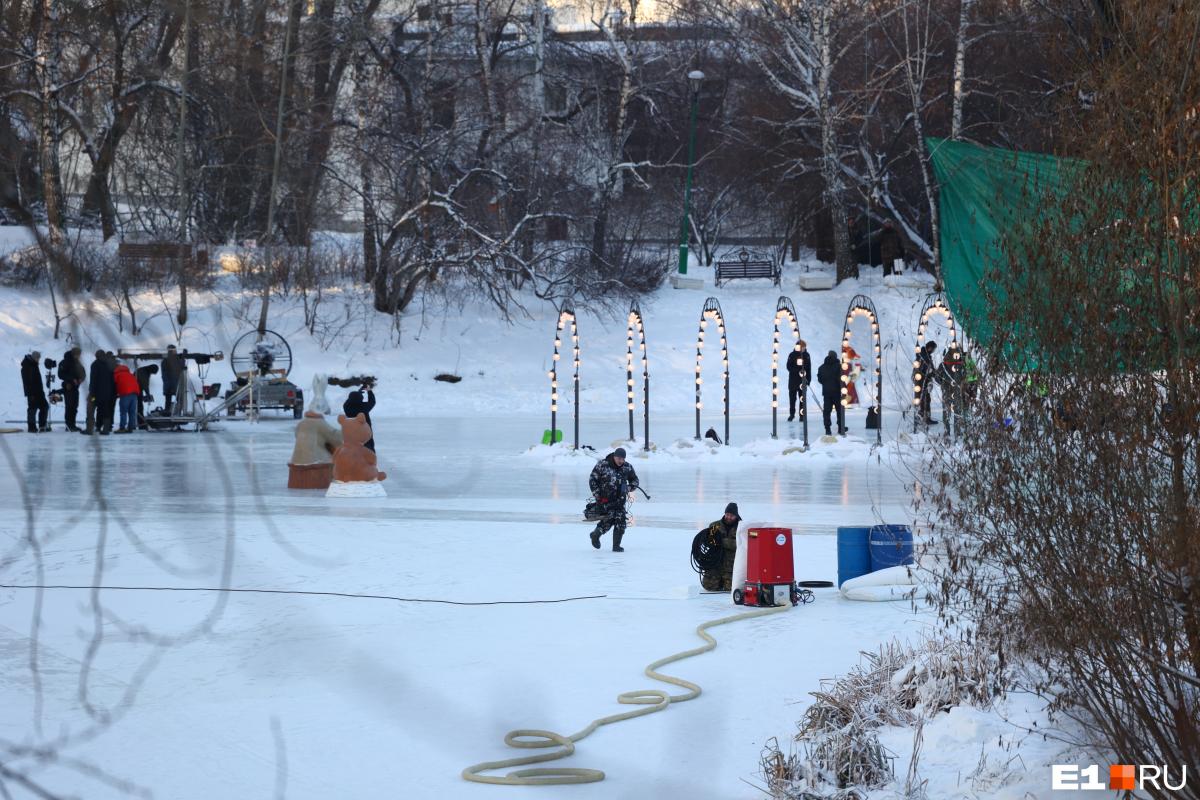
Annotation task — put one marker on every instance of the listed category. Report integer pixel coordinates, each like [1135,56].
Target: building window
[555,98]
[442,97]
[557,229]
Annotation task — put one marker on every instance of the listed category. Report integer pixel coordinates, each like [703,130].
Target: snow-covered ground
[219,695]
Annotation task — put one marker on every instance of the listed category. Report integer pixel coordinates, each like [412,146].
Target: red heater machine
[770,577]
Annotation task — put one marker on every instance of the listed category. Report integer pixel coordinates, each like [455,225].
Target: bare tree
[1072,505]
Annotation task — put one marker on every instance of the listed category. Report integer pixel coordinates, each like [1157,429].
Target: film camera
[52,394]
[354,382]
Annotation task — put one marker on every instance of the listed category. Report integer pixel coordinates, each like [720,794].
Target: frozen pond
[218,695]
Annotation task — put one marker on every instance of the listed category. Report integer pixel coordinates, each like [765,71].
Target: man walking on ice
[611,481]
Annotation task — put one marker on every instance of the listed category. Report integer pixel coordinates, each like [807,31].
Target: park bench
[746,267]
[158,259]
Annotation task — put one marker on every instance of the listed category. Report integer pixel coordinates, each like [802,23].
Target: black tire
[737,597]
[815,584]
[298,409]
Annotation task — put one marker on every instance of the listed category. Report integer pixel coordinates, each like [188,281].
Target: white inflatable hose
[652,699]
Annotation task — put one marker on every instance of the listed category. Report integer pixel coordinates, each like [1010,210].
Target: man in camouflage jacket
[611,480]
[723,532]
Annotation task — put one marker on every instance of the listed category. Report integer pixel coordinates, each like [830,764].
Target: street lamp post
[695,78]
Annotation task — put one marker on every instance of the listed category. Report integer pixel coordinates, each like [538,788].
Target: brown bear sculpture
[352,462]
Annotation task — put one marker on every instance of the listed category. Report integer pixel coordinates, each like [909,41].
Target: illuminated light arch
[567,314]
[861,306]
[934,304]
[785,310]
[712,311]
[634,325]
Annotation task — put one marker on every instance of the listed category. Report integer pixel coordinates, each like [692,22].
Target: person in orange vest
[127,395]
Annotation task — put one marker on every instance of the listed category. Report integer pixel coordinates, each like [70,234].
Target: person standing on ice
[361,401]
[799,368]
[37,409]
[102,392]
[127,394]
[829,375]
[73,375]
[925,371]
[723,533]
[612,479]
[172,368]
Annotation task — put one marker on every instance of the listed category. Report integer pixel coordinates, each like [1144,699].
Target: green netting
[991,203]
[986,195]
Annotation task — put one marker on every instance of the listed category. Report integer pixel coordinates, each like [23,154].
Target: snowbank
[504,367]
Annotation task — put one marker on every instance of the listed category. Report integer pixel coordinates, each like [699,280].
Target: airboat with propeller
[261,363]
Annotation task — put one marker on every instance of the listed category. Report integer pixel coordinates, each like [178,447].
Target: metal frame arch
[934,304]
[784,309]
[861,305]
[712,310]
[567,312]
[634,323]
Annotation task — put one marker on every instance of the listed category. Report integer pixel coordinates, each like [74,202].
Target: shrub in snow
[840,756]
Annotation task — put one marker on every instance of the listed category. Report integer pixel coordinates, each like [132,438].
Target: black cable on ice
[297,591]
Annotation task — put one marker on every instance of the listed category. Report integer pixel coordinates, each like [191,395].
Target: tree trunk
[830,162]
[269,234]
[960,59]
[181,166]
[331,58]
[47,61]
[370,242]
[600,234]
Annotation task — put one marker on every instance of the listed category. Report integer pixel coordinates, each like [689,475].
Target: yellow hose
[652,699]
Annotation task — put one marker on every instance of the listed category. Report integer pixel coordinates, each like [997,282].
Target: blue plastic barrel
[854,553]
[891,546]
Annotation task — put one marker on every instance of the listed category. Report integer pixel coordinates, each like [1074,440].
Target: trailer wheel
[737,597]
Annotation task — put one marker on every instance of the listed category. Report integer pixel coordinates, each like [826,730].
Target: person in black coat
[361,401]
[37,409]
[144,396]
[611,480]
[172,370]
[799,367]
[829,375]
[102,391]
[927,374]
[72,374]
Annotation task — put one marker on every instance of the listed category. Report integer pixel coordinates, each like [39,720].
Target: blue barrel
[891,546]
[854,553]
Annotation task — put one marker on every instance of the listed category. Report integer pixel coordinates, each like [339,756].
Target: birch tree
[798,47]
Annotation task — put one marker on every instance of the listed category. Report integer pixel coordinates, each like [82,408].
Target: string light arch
[935,304]
[712,312]
[567,314]
[784,310]
[635,325]
[861,306]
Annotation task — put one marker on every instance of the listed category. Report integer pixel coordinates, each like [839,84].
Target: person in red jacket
[127,395]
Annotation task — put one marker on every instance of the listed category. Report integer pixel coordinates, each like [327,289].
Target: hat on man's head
[619,452]
[732,509]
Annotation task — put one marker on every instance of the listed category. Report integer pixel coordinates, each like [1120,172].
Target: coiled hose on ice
[652,700]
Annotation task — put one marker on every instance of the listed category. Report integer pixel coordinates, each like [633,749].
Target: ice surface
[376,698]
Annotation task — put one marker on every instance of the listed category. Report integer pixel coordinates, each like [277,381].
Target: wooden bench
[747,267]
[159,259]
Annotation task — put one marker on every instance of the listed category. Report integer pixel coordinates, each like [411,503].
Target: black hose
[707,552]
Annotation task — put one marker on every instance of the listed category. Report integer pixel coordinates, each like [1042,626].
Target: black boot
[595,537]
[618,535]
